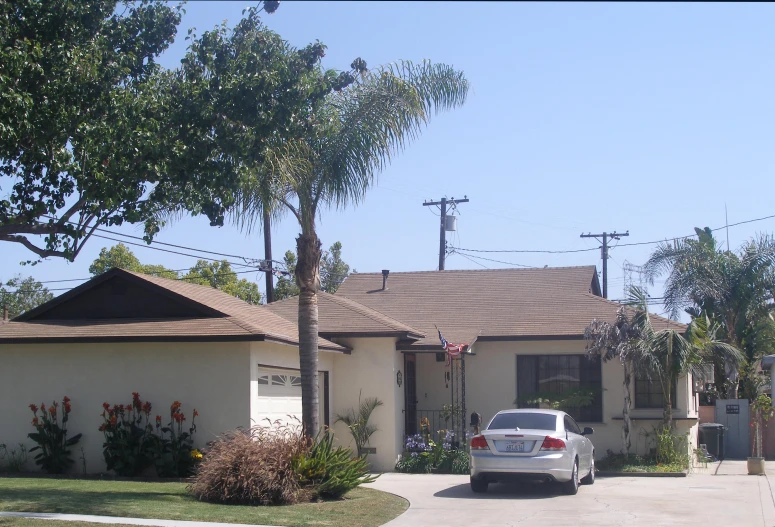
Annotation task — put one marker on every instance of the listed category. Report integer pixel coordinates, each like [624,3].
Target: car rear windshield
[528,421]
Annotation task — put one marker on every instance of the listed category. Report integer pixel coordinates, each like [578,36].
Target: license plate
[515,446]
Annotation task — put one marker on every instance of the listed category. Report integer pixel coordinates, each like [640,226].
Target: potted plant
[762,412]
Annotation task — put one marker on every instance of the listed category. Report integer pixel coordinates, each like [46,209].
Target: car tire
[479,485]
[589,479]
[572,487]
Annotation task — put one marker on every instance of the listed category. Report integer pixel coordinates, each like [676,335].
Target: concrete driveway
[696,500]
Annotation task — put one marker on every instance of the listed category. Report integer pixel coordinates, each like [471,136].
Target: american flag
[453,350]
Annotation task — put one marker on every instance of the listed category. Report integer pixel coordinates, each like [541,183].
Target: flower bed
[423,455]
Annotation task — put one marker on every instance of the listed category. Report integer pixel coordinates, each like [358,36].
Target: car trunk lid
[515,442]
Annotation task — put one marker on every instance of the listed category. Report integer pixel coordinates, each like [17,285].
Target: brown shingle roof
[340,316]
[235,319]
[493,303]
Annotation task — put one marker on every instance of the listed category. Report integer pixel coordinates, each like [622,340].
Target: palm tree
[353,136]
[733,290]
[617,341]
[667,354]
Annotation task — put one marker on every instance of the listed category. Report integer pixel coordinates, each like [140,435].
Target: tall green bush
[128,436]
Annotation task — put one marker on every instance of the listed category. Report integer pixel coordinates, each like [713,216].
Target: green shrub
[461,462]
[671,449]
[128,436]
[253,467]
[330,472]
[173,446]
[132,445]
[14,459]
[51,437]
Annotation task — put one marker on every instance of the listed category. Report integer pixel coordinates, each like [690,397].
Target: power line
[496,261]
[471,260]
[618,245]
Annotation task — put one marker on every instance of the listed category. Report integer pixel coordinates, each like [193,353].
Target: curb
[602,474]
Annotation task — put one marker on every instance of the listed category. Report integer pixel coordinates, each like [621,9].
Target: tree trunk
[626,422]
[308,279]
[667,387]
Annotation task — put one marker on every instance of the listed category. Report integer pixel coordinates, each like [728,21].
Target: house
[237,364]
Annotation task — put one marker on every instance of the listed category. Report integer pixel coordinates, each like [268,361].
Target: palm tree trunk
[626,425]
[667,384]
[308,279]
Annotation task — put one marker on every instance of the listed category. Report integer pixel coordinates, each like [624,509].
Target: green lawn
[26,522]
[169,501]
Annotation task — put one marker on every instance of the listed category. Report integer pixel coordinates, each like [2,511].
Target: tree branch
[43,253]
[293,209]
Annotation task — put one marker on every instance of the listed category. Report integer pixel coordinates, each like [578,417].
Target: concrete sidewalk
[118,519]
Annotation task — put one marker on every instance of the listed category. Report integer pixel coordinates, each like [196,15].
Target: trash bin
[712,435]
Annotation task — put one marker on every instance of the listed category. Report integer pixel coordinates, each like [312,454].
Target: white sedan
[533,444]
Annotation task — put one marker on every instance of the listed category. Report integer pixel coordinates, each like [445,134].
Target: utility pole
[268,257]
[604,253]
[443,224]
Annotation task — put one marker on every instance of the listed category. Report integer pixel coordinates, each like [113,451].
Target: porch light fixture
[399,378]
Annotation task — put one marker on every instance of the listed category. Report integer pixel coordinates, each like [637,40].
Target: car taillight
[479,443]
[552,443]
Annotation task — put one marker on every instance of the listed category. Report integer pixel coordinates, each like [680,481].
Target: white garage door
[279,397]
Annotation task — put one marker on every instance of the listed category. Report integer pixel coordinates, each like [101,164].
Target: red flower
[178,417]
[196,414]
[34,408]
[67,408]
[43,407]
[120,407]
[106,406]
[66,399]
[34,421]
[53,411]
[146,407]
[175,407]
[113,420]
[158,419]
[102,427]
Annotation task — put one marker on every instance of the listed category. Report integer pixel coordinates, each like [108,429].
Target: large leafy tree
[734,290]
[333,271]
[93,132]
[221,276]
[21,294]
[286,285]
[121,256]
[351,138]
[79,90]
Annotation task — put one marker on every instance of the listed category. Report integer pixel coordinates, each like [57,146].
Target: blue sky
[582,117]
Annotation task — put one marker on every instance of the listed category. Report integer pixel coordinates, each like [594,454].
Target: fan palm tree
[733,290]
[353,136]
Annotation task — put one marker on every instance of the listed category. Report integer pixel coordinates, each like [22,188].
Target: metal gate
[734,414]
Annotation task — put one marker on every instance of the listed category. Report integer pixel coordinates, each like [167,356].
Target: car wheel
[572,487]
[590,478]
[479,485]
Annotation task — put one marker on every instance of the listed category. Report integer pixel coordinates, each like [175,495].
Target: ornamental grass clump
[53,445]
[253,467]
[277,465]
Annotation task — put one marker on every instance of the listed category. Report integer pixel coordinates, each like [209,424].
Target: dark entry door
[410,393]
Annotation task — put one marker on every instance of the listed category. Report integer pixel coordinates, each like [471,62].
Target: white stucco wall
[491,385]
[214,378]
[370,371]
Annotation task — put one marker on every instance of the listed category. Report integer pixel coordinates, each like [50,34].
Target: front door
[410,393]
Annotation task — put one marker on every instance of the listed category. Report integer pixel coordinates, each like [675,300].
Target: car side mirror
[588,431]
